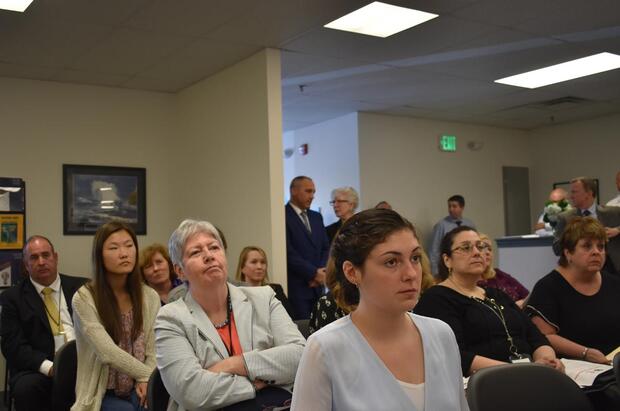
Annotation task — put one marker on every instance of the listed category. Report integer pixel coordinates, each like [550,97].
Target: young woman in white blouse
[379,357]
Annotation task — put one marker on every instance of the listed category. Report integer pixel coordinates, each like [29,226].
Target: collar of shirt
[54,286]
[592,210]
[297,209]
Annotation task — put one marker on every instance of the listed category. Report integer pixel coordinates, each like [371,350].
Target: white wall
[587,148]
[401,163]
[332,160]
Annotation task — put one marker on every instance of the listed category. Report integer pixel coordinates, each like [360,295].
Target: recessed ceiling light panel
[15,5]
[380,20]
[569,70]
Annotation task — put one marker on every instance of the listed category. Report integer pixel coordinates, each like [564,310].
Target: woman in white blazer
[380,356]
[220,344]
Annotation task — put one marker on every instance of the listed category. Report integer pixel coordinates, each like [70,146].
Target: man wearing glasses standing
[344,201]
[307,248]
[456,205]
[36,322]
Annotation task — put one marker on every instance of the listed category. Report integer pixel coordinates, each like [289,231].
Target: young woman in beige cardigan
[114,316]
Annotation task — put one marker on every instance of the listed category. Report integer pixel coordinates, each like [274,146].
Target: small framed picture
[94,195]
[12,195]
[11,268]
[11,231]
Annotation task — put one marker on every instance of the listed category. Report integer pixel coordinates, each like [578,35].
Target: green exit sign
[447,143]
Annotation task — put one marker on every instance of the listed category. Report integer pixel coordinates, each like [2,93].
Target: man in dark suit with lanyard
[307,248]
[583,194]
[36,322]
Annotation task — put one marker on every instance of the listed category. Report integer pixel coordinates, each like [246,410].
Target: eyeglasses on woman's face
[468,248]
[331,203]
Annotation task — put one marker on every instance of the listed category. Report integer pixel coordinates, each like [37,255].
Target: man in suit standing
[583,194]
[307,248]
[36,322]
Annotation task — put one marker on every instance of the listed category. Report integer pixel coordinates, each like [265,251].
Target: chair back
[65,373]
[157,396]
[518,387]
[304,327]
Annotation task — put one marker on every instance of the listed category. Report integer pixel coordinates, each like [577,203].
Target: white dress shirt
[65,317]
[614,202]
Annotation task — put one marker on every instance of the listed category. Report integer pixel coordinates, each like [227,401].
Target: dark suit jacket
[608,216]
[25,330]
[332,229]
[305,253]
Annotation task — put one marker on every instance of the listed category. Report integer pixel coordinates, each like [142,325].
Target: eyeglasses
[468,248]
[331,203]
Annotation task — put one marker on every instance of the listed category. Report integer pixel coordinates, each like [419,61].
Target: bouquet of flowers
[553,208]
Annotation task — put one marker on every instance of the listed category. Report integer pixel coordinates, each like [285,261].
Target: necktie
[53,313]
[586,213]
[458,223]
[304,217]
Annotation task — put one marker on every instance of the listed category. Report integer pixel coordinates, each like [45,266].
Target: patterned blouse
[122,384]
[325,311]
[507,284]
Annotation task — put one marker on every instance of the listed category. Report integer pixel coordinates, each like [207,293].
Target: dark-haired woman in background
[252,270]
[114,316]
[410,362]
[489,327]
[157,270]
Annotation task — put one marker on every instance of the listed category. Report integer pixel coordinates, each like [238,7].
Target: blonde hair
[490,271]
[243,257]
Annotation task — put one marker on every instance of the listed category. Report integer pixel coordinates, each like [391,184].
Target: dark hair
[576,229]
[446,248]
[105,300]
[297,180]
[459,199]
[146,259]
[589,184]
[354,241]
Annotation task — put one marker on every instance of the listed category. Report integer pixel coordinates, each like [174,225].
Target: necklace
[498,310]
[463,291]
[226,323]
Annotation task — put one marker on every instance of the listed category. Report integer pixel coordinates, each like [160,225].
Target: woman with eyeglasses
[344,201]
[576,305]
[490,329]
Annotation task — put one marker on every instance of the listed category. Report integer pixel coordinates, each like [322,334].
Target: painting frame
[94,195]
[12,268]
[12,231]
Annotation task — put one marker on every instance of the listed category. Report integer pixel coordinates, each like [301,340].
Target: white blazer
[187,344]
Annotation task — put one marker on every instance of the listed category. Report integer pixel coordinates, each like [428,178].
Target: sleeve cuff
[45,367]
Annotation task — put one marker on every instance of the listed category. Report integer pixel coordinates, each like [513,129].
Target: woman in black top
[490,329]
[576,305]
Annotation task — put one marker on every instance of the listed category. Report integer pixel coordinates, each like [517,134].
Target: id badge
[520,359]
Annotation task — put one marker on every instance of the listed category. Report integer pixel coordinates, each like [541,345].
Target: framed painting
[94,195]
[11,231]
[11,268]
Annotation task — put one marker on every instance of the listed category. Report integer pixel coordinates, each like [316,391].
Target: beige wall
[587,148]
[228,162]
[45,125]
[401,163]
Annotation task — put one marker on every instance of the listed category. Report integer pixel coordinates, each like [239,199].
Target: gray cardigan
[187,344]
[97,352]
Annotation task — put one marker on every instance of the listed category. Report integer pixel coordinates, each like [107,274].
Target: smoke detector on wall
[475,145]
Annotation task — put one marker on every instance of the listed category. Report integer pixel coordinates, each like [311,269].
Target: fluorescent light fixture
[380,19]
[105,189]
[582,67]
[106,207]
[15,5]
[107,201]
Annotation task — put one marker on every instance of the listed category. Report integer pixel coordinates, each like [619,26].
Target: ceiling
[443,69]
